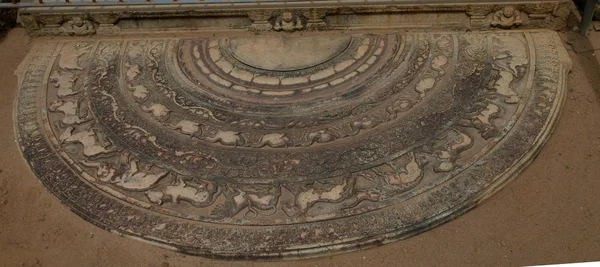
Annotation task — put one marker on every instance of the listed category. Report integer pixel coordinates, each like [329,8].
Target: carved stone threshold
[275,146]
[110,20]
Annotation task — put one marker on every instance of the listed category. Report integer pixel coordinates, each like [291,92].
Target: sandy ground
[549,214]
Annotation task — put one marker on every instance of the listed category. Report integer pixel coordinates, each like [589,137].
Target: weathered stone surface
[296,16]
[152,138]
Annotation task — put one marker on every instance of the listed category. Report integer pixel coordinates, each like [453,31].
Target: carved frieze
[479,16]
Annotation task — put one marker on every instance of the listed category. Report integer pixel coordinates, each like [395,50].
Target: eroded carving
[449,146]
[88,139]
[70,54]
[71,111]
[289,22]
[64,82]
[199,195]
[78,26]
[229,138]
[507,18]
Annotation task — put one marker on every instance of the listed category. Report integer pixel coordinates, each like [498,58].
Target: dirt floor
[549,214]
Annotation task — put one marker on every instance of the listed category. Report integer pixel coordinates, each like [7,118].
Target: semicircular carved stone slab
[268,147]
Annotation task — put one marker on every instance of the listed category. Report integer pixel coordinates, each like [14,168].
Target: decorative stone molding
[81,25]
[480,16]
[507,18]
